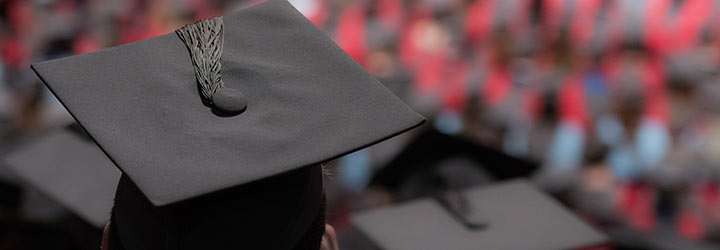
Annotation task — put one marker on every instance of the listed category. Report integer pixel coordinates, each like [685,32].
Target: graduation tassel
[204,40]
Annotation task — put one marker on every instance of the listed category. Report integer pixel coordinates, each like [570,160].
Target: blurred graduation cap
[220,128]
[628,238]
[68,167]
[432,150]
[512,215]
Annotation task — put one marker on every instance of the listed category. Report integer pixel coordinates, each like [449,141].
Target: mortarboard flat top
[307,102]
[72,170]
[517,217]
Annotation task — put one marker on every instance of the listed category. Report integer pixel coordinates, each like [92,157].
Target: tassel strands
[204,40]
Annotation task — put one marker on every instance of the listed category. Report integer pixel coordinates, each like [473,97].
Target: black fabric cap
[69,168]
[272,213]
[431,148]
[624,237]
[307,102]
[195,177]
[512,215]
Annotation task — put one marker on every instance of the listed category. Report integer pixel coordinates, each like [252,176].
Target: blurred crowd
[615,101]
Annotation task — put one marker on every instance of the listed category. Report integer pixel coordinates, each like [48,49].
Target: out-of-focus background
[611,106]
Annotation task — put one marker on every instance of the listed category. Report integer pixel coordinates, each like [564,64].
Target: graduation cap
[69,168]
[512,215]
[430,151]
[220,128]
[662,239]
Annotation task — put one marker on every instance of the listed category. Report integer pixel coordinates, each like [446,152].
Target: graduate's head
[286,211]
[325,237]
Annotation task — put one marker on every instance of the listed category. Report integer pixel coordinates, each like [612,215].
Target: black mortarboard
[624,237]
[431,150]
[512,215]
[68,167]
[256,98]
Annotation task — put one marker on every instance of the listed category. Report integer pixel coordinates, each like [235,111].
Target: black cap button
[229,101]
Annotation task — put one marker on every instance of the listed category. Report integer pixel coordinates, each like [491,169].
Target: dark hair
[311,240]
[113,237]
